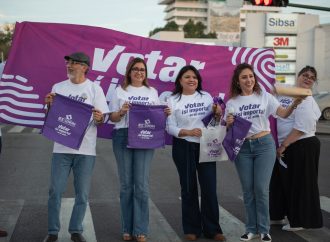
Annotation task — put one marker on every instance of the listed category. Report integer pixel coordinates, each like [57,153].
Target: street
[24,179]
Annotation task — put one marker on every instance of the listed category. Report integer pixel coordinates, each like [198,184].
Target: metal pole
[294,5]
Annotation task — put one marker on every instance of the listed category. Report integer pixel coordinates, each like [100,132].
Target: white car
[323,100]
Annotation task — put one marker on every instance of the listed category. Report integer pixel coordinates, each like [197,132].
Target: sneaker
[248,236]
[278,222]
[266,237]
[289,228]
[76,237]
[50,238]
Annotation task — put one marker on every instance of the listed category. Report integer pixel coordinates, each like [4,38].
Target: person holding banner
[80,161]
[189,105]
[133,164]
[3,233]
[295,176]
[255,159]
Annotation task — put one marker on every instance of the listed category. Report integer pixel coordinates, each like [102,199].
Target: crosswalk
[17,129]
[160,228]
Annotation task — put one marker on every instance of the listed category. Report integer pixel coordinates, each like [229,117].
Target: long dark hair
[127,80]
[178,88]
[235,88]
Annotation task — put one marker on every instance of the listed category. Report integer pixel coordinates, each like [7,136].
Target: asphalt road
[24,175]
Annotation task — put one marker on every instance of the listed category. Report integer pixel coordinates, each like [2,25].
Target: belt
[258,135]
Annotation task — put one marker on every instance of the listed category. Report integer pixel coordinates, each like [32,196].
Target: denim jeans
[254,165]
[133,169]
[196,219]
[82,168]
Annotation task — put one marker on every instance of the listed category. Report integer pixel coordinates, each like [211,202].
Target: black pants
[294,190]
[196,220]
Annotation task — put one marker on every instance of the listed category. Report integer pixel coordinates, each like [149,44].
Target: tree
[6,36]
[192,30]
[170,26]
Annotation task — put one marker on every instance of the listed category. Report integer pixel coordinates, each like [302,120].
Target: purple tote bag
[146,127]
[235,137]
[67,121]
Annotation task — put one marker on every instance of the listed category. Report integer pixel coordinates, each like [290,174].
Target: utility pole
[294,5]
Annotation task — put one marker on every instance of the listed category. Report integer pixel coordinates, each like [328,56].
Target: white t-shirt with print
[188,112]
[303,118]
[89,93]
[138,95]
[255,108]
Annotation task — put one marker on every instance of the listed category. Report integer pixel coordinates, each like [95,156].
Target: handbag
[146,128]
[67,121]
[235,136]
[211,148]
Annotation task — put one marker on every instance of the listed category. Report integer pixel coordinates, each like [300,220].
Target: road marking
[314,235]
[9,213]
[231,226]
[35,131]
[325,203]
[160,230]
[66,209]
[16,129]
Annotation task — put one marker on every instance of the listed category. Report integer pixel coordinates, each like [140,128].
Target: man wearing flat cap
[65,159]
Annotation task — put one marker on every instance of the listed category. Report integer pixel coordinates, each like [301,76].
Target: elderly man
[65,159]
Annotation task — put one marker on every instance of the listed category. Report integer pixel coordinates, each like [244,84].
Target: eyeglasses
[306,76]
[72,62]
[136,69]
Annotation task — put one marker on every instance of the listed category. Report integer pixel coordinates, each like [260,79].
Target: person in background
[133,164]
[3,233]
[65,159]
[185,125]
[297,171]
[255,160]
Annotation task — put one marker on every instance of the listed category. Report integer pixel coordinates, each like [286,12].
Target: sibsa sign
[281,23]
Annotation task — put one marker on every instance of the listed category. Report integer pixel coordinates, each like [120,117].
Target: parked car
[323,100]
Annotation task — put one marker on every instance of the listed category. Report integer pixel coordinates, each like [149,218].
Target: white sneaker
[266,237]
[278,222]
[289,228]
[248,236]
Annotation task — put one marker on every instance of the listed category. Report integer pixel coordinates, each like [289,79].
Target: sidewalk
[323,127]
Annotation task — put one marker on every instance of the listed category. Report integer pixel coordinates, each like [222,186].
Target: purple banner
[146,128]
[67,121]
[235,137]
[33,67]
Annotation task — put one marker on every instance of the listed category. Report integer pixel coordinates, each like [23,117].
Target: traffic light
[276,3]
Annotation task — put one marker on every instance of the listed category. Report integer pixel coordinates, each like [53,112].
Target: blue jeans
[82,168]
[254,165]
[133,169]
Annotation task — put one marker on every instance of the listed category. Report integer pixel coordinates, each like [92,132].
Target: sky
[136,17]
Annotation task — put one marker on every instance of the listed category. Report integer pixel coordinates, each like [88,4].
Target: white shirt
[188,112]
[303,118]
[255,108]
[138,95]
[89,93]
